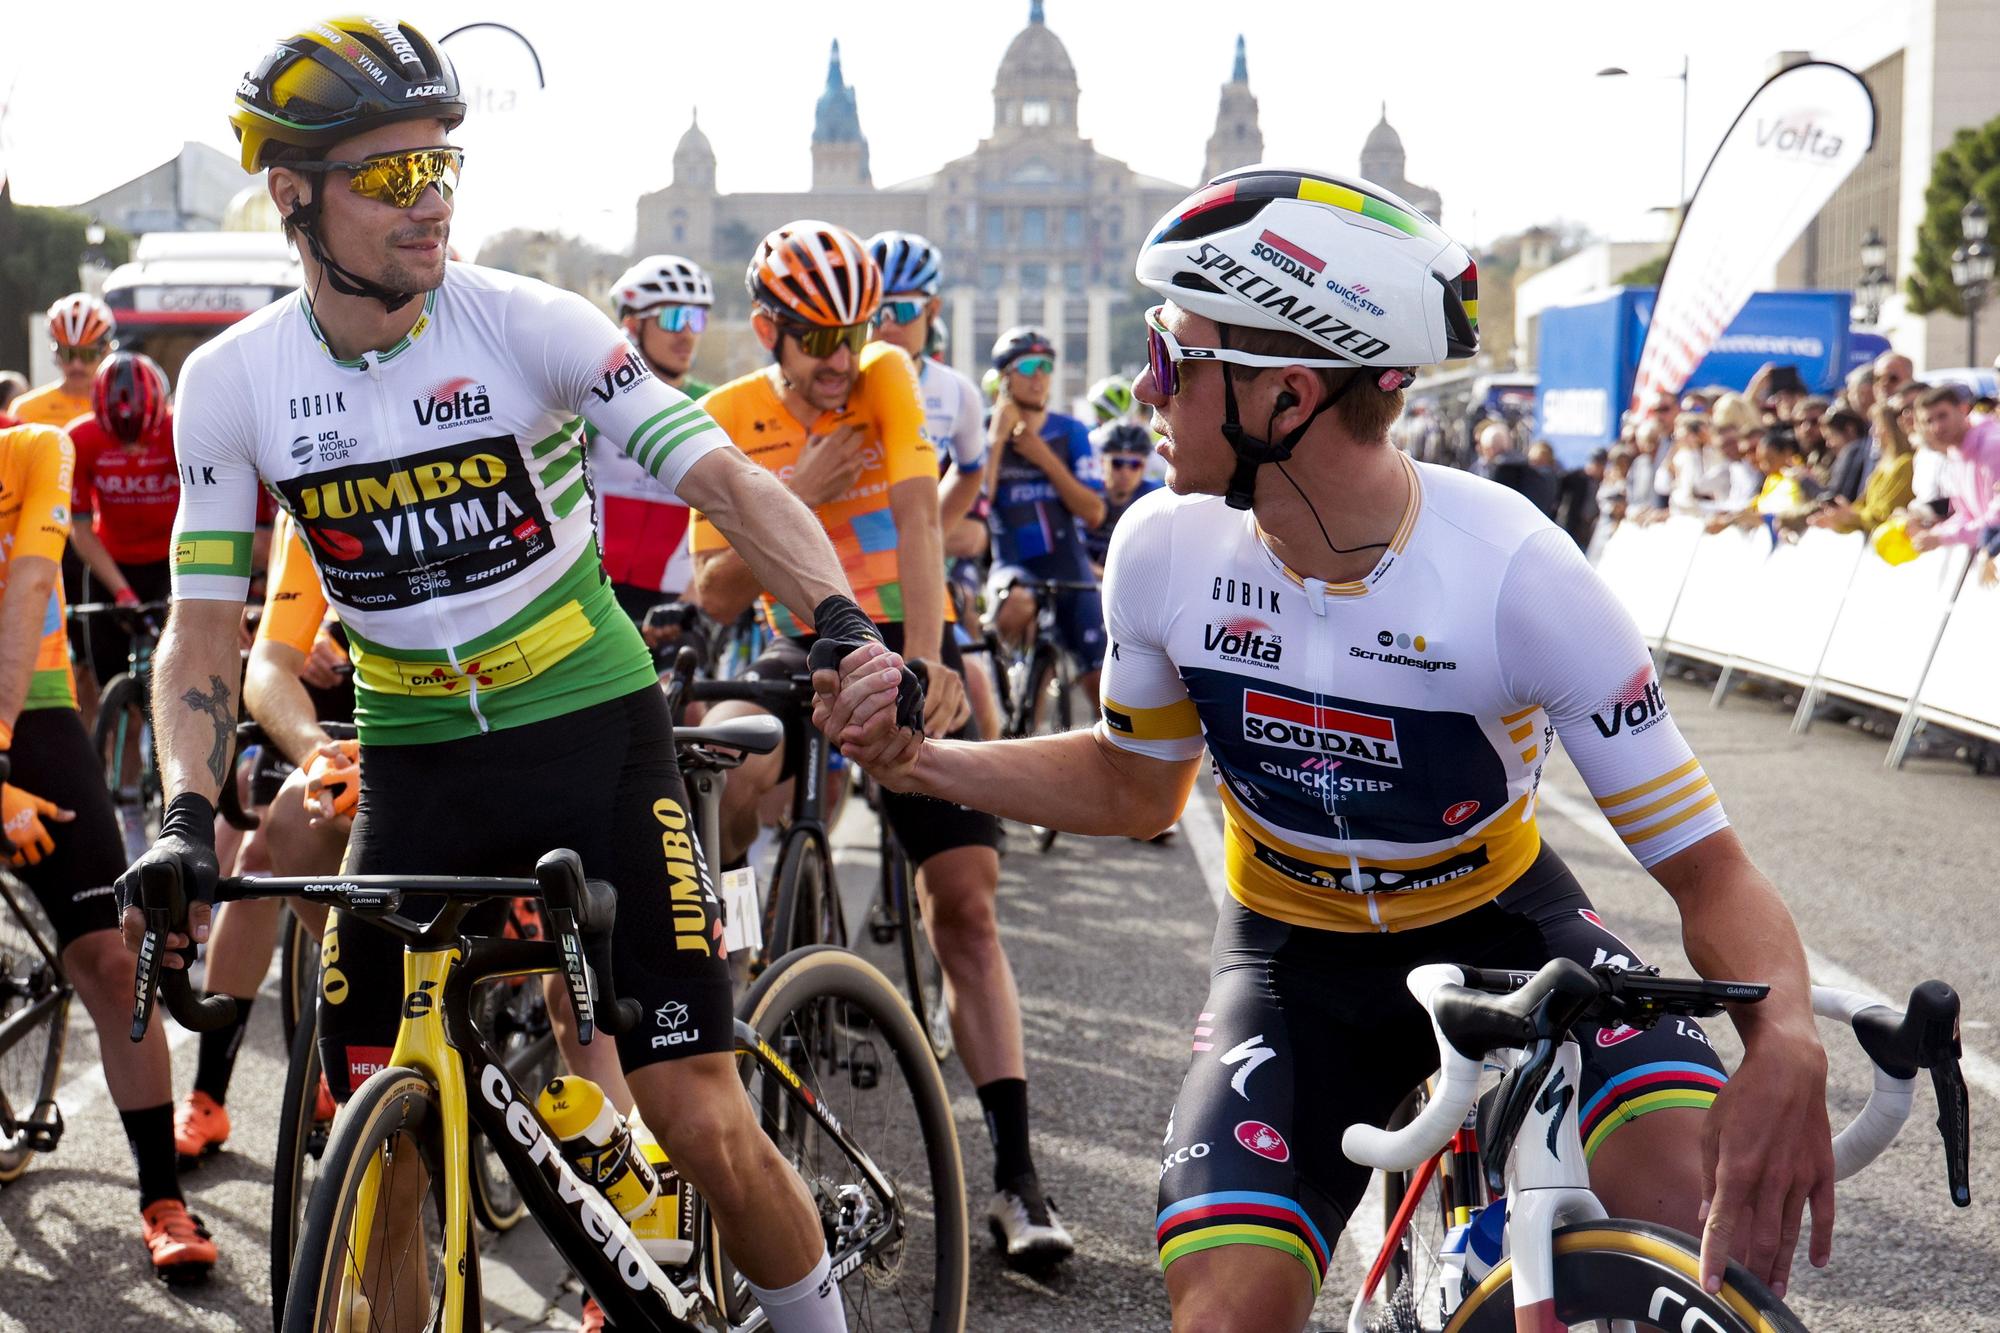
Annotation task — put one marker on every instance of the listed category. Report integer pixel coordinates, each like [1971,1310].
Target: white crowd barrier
[1825,613]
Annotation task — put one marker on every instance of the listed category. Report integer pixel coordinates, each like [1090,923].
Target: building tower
[694,158]
[839,150]
[1237,142]
[1382,162]
[1036,88]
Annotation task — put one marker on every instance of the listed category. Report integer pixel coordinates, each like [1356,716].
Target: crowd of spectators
[1913,465]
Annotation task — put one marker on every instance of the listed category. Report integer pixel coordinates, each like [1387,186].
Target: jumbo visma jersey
[442,490]
[1378,745]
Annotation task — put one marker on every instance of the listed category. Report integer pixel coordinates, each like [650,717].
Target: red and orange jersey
[294,603]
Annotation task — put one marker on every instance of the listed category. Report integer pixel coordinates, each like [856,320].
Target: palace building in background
[1037,225]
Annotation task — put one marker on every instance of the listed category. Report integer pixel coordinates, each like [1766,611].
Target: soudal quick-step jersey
[1378,744]
[441,488]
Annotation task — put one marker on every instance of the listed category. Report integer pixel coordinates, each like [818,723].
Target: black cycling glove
[187,842]
[841,627]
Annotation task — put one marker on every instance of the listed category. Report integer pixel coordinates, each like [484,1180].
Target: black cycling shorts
[601,781]
[53,758]
[1305,1032]
[924,825]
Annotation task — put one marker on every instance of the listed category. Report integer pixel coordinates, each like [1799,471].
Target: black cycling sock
[217,1060]
[150,1132]
[1006,1103]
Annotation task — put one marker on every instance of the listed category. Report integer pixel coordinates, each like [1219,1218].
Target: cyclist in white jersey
[1378,655]
[954,413]
[422,422]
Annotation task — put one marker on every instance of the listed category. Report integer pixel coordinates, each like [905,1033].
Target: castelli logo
[1461,812]
[1257,1137]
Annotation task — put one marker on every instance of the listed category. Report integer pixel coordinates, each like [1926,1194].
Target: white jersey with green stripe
[442,489]
[1379,744]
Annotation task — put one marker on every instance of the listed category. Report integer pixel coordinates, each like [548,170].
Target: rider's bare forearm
[779,539]
[1735,927]
[1076,782]
[195,676]
[91,551]
[274,695]
[24,610]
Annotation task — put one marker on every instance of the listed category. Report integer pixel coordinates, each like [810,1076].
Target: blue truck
[1588,356]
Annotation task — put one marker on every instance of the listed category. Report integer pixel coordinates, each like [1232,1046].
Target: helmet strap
[1251,452]
[345,281]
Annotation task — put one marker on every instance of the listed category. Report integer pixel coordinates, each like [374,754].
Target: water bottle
[602,1147]
[1485,1242]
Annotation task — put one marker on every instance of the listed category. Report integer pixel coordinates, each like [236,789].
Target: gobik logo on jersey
[449,518]
[1632,709]
[1294,724]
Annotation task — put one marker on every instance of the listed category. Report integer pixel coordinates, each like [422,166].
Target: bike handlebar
[581,913]
[1925,1036]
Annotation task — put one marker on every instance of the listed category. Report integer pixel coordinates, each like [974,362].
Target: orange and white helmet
[80,320]
[815,273]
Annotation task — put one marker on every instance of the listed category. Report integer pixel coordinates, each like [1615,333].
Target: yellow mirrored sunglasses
[399,179]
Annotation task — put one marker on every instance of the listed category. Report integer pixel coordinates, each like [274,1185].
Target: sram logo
[600,1223]
[1293,724]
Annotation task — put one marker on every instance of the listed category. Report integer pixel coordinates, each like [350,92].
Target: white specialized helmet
[1340,262]
[659,280]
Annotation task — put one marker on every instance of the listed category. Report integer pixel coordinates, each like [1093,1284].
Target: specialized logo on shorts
[1249,1054]
[1257,1137]
[1632,709]
[1293,724]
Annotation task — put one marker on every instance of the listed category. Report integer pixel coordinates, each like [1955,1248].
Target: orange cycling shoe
[180,1246]
[593,1316]
[324,1107]
[201,1127]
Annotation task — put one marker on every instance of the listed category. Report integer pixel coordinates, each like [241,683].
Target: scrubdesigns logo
[1633,709]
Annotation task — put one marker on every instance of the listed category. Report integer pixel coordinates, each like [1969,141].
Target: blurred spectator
[1644,468]
[1808,420]
[1928,457]
[1777,389]
[1888,486]
[1893,370]
[1971,475]
[1495,442]
[1576,499]
[1855,452]
[1691,461]
[1783,487]
[12,385]
[1417,434]
[1860,391]
[1533,474]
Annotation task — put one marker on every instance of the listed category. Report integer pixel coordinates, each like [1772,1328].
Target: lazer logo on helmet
[1293,724]
[1229,271]
[1288,257]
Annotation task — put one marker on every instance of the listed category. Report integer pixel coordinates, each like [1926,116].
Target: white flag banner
[1794,142]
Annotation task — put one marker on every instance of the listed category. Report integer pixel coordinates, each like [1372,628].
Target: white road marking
[1204,835]
[85,1089]
[1980,1071]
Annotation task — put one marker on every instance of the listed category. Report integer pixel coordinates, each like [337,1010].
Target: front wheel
[375,1252]
[1646,1275]
[122,739]
[847,1039]
[298,973]
[302,1135]
[805,905]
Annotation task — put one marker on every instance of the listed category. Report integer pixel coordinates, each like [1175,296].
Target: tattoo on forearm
[216,704]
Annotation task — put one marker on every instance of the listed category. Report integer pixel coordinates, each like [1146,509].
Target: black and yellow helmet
[337,78]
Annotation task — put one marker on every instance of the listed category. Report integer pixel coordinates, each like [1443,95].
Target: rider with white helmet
[663,301]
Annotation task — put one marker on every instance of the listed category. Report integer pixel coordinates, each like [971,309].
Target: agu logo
[1293,724]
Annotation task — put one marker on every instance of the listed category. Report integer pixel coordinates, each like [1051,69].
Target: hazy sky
[1496,103]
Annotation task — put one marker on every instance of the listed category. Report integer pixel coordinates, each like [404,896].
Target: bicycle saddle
[756,735]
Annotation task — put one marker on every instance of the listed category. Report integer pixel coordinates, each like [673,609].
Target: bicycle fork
[1547,1186]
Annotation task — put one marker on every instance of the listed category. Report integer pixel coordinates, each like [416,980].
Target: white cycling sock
[810,1305]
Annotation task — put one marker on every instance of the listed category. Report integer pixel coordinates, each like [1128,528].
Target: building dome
[837,118]
[694,145]
[1036,56]
[1383,141]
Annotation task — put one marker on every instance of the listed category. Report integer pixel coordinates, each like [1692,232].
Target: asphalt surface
[1889,874]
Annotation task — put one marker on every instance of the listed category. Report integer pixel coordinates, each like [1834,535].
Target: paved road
[1889,875]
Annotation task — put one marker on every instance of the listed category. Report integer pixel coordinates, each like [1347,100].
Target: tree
[1647,274]
[1969,166]
[40,249]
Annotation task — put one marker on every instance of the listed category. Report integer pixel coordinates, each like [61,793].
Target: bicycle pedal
[45,1127]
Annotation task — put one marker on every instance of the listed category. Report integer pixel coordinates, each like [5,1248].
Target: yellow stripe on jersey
[1430,888]
[1176,721]
[1639,835]
[1673,798]
[542,645]
[1634,793]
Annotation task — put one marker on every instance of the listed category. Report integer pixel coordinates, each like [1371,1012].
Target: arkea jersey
[35,470]
[133,492]
[954,416]
[884,403]
[442,487]
[641,525]
[1031,526]
[50,405]
[1378,744]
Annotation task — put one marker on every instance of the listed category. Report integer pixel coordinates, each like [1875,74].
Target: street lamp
[1972,271]
[1872,289]
[1615,72]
